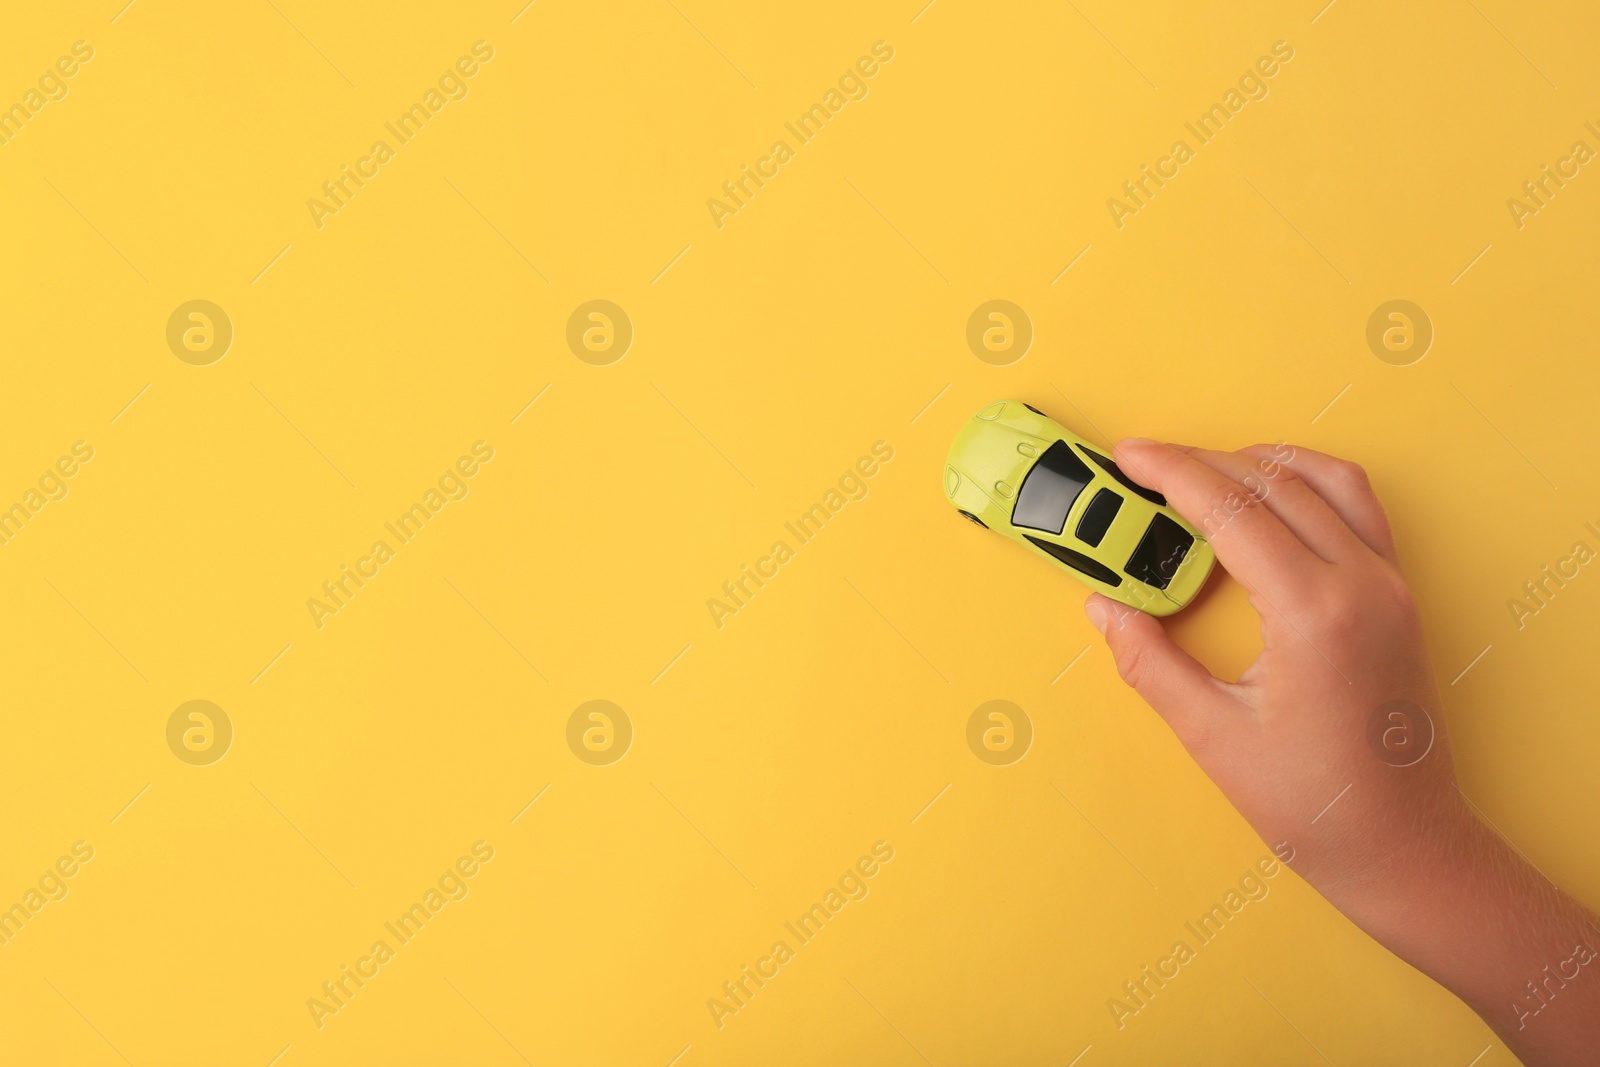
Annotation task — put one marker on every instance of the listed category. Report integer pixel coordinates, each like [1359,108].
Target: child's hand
[1289,742]
[1333,741]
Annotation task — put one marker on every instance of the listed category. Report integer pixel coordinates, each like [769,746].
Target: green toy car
[1015,471]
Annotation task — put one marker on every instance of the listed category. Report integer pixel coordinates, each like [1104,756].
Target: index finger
[1249,540]
[1345,487]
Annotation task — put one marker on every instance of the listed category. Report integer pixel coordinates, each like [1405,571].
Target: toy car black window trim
[1097,517]
[1049,490]
[1078,561]
[1115,471]
[1160,552]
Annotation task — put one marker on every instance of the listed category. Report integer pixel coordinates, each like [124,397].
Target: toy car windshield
[1050,488]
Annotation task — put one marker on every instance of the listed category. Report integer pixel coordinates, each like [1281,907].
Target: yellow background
[825,316]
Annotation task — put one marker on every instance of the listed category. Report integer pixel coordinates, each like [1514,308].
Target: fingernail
[1135,442]
[1096,612]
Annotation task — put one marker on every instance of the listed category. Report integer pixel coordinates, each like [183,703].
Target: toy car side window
[1078,561]
[1049,490]
[1115,471]
[1098,515]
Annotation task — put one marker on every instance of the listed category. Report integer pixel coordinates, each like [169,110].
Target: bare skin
[1333,740]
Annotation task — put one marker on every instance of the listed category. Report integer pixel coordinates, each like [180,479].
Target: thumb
[1170,680]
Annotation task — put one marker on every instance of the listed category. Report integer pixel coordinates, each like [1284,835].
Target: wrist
[1458,903]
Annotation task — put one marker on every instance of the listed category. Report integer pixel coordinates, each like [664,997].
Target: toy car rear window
[1128,483]
[1049,489]
[1160,551]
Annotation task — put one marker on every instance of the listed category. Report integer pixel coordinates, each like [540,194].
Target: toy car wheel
[973,518]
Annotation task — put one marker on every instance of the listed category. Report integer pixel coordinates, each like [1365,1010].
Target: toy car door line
[1015,471]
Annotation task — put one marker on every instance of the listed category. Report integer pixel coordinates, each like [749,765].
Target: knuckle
[1272,461]
[1267,476]
[1395,594]
[1224,506]
[1279,469]
[1354,475]
[1351,615]
[1132,664]
[1157,465]
[1278,451]
[1342,612]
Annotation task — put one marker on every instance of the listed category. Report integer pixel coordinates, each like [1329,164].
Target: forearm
[1468,911]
